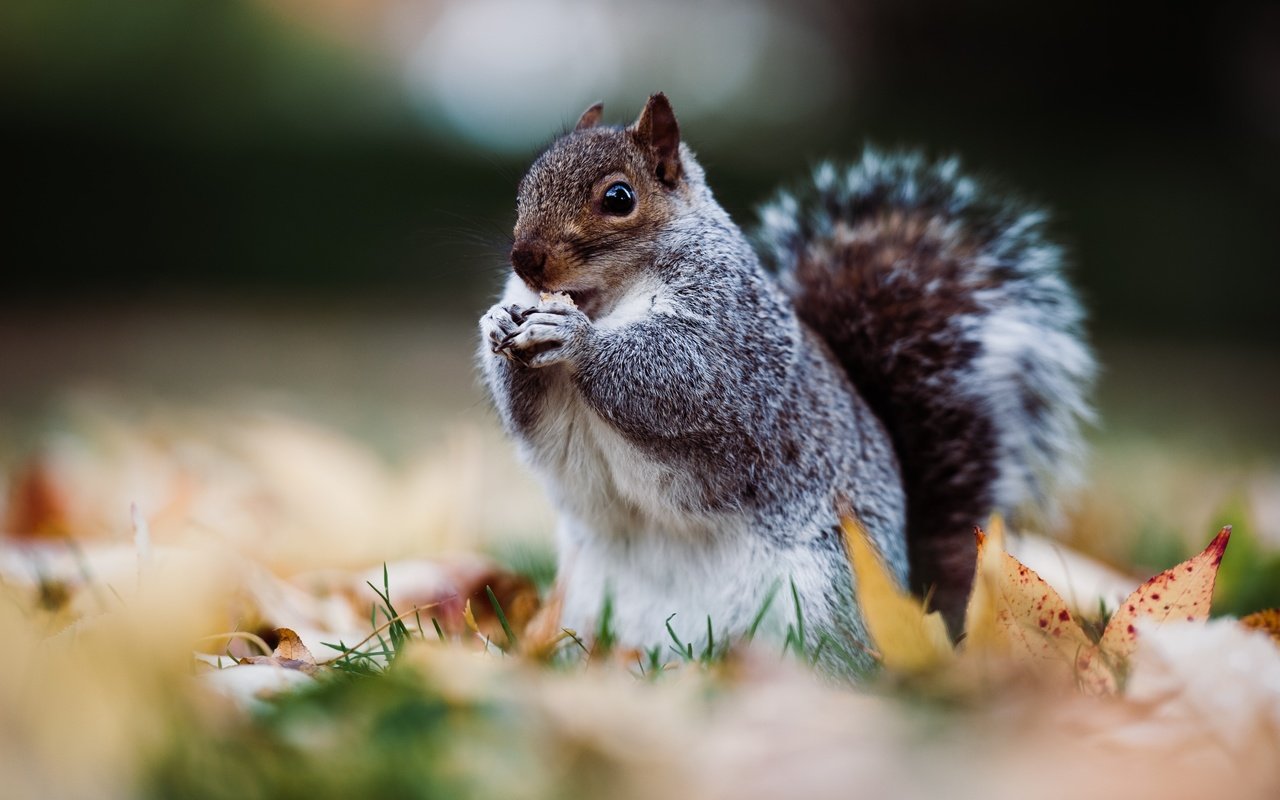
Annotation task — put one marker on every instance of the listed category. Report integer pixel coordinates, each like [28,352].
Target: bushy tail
[950,312]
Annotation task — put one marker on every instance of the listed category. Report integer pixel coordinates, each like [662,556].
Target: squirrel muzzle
[529,260]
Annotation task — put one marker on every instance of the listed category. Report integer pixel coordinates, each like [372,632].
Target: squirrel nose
[529,259]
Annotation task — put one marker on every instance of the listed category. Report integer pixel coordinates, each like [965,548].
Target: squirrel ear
[590,118]
[656,130]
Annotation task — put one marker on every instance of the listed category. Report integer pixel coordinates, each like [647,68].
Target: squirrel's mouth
[587,300]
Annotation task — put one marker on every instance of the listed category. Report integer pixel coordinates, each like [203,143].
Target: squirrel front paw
[549,333]
[498,323]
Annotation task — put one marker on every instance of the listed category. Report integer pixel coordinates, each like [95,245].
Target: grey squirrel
[902,343]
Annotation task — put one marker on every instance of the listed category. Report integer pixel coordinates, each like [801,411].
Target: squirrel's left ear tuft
[657,131]
[590,118]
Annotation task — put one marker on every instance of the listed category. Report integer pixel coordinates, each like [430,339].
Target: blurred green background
[285,149]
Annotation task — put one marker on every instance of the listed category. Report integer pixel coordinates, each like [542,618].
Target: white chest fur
[626,530]
[592,471]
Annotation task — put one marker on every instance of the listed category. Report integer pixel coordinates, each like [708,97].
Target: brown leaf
[291,647]
[543,634]
[446,584]
[39,503]
[516,595]
[1181,593]
[1267,621]
[290,653]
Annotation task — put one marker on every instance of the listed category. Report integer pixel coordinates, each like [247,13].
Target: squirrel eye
[618,199]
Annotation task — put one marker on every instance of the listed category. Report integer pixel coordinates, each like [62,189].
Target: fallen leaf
[469,618]
[444,584]
[291,647]
[907,637]
[1013,613]
[516,595]
[1181,593]
[290,653]
[1267,621]
[981,629]
[39,502]
[543,634]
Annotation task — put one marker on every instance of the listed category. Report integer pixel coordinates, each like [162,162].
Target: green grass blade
[683,650]
[605,636]
[800,637]
[764,609]
[502,617]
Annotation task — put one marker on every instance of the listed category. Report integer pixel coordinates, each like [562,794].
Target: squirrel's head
[592,208]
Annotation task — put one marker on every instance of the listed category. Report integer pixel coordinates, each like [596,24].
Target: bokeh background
[244,250]
[304,206]
[278,149]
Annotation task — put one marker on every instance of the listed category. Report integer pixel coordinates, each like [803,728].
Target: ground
[277,461]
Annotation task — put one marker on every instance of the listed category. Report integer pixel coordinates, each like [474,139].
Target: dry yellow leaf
[981,631]
[469,617]
[908,639]
[1183,593]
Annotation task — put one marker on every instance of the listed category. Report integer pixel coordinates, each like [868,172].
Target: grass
[386,719]
[395,735]
[390,634]
[1249,576]
[377,722]
[606,637]
[366,661]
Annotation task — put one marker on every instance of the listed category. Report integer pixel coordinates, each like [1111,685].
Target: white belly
[649,575]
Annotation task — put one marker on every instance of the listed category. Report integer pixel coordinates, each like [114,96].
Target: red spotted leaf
[1014,612]
[1182,593]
